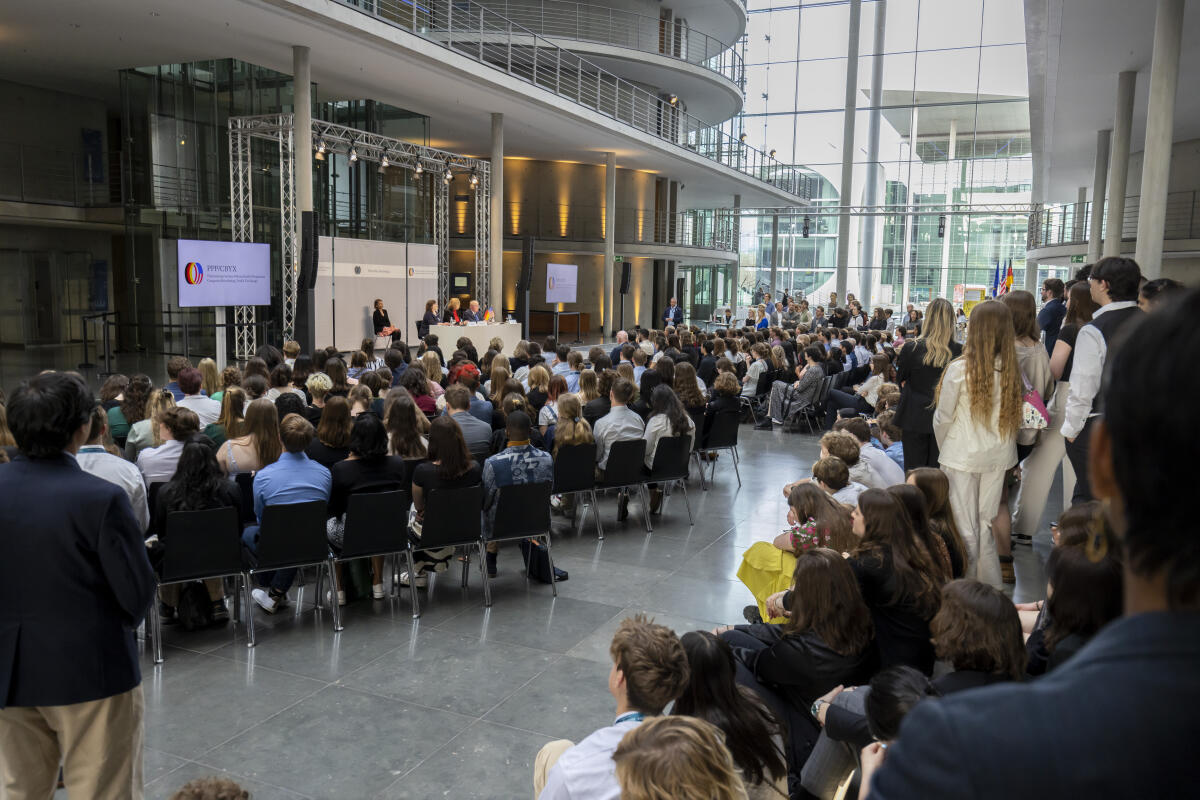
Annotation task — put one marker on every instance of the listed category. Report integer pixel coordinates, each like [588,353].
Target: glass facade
[951,109]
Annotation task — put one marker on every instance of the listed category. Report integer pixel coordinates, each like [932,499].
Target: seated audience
[862,400]
[891,438]
[936,488]
[131,409]
[679,757]
[332,441]
[175,425]
[848,448]
[601,404]
[668,419]
[788,400]
[145,432]
[229,424]
[257,444]
[618,425]
[650,669]
[519,463]
[176,365]
[476,432]
[885,470]
[406,427]
[449,467]
[96,459]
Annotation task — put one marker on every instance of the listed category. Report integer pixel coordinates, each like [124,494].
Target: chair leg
[466,568]
[736,471]
[154,628]
[248,605]
[487,586]
[644,493]
[686,502]
[596,516]
[550,558]
[333,601]
[395,574]
[412,582]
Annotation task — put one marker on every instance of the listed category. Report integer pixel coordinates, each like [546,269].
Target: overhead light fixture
[320,150]
[419,169]
[182,141]
[742,138]
[474,179]
[447,174]
[672,99]
[772,153]
[384,164]
[353,154]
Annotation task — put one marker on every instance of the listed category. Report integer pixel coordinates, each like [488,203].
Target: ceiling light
[419,169]
[447,175]
[672,99]
[474,179]
[320,150]
[772,153]
[742,138]
[353,154]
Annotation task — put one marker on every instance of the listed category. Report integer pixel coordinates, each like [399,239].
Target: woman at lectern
[381,323]
[451,316]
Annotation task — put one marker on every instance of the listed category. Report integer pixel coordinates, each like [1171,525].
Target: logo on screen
[193,273]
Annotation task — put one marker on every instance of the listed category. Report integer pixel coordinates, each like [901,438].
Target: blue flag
[996,280]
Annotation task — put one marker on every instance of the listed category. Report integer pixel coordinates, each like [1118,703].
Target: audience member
[1054,308]
[678,757]
[145,432]
[519,463]
[668,419]
[476,433]
[131,409]
[618,425]
[175,425]
[936,488]
[95,459]
[449,467]
[881,465]
[175,365]
[258,443]
[406,426]
[331,443]
[231,421]
[847,447]
[919,369]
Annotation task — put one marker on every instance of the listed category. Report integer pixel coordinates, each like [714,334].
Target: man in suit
[673,315]
[473,313]
[1118,719]
[74,584]
[1055,309]
[614,355]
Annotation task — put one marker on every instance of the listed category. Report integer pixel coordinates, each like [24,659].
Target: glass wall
[947,180]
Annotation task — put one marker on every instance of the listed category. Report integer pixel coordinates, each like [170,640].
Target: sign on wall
[223,273]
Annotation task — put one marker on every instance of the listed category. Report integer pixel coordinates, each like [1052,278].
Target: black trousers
[920,450]
[1077,452]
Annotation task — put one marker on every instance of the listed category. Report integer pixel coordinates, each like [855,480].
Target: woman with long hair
[752,733]
[259,443]
[589,386]
[814,519]
[210,378]
[229,423]
[498,375]
[978,414]
[690,390]
[405,425]
[978,632]
[449,467]
[175,426]
[231,376]
[111,391]
[913,500]
[144,433]
[919,368]
[451,317]
[571,427]
[864,396]
[360,399]
[335,368]
[539,386]
[936,488]
[331,443]
[676,757]
[417,384]
[131,409]
[1037,471]
[556,391]
[433,373]
[668,418]
[899,579]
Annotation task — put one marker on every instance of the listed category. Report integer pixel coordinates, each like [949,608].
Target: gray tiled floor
[457,703]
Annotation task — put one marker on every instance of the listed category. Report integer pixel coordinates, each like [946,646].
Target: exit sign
[1077,259]
[618,259]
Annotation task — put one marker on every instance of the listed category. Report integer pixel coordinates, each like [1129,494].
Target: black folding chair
[625,469]
[761,389]
[245,484]
[375,526]
[522,512]
[291,536]
[198,545]
[671,457]
[575,474]
[451,519]
[723,435]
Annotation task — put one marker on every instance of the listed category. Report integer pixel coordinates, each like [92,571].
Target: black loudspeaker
[309,250]
[526,278]
[626,270]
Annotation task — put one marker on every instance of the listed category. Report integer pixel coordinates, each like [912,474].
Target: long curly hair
[990,354]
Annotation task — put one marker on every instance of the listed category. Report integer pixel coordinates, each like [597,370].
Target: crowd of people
[877,610]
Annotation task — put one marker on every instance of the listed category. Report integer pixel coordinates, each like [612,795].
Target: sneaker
[377,591]
[1022,538]
[752,614]
[556,502]
[167,614]
[265,601]
[219,612]
[491,564]
[341,597]
[422,581]
[622,506]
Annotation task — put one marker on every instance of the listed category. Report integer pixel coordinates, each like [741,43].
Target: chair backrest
[697,420]
[292,534]
[724,430]
[152,494]
[201,544]
[575,468]
[452,517]
[764,382]
[375,523]
[522,509]
[670,459]
[823,392]
[245,484]
[625,462]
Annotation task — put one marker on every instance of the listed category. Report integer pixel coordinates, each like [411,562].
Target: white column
[951,182]
[302,135]
[1160,124]
[496,226]
[868,263]
[1118,170]
[610,239]
[910,218]
[1099,180]
[845,189]
[774,257]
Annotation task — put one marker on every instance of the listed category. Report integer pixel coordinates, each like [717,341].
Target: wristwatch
[816,707]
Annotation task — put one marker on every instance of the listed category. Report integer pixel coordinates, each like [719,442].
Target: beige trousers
[975,499]
[99,744]
[1037,471]
[547,757]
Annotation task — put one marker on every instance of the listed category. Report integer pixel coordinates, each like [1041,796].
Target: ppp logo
[193,273]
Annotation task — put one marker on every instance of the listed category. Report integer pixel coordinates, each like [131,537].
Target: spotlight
[742,138]
[320,150]
[384,164]
[772,153]
[447,174]
[672,99]
[419,169]
[353,154]
[182,141]
[474,179]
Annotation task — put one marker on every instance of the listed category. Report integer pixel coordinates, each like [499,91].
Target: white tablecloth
[479,335]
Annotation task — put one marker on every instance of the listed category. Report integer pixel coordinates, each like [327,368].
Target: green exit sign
[618,259]
[1077,259]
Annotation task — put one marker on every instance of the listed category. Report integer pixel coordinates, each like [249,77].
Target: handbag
[1034,415]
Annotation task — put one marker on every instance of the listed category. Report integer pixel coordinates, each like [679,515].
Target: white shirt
[889,472]
[659,427]
[158,464]
[964,444]
[1086,371]
[618,425]
[587,771]
[207,409]
[96,460]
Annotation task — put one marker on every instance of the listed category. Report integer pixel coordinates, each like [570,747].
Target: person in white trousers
[975,422]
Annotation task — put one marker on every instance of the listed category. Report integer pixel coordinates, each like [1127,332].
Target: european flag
[996,280]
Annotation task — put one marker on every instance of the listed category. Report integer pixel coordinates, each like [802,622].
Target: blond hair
[991,349]
[677,756]
[571,427]
[159,402]
[936,332]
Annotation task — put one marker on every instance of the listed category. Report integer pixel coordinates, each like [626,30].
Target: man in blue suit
[74,584]
[673,315]
[1118,719]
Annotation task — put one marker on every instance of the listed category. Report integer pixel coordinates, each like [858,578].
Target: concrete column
[302,137]
[1118,169]
[774,256]
[846,187]
[950,154]
[867,263]
[496,224]
[1099,180]
[910,218]
[1160,124]
[1078,226]
[610,239]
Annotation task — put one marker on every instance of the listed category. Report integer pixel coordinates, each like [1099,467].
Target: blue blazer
[673,315]
[1117,720]
[74,584]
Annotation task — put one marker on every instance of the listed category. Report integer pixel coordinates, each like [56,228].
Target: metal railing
[33,174]
[1071,223]
[584,22]
[478,33]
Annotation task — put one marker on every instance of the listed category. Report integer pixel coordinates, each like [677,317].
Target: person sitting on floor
[649,670]
[886,471]
[678,757]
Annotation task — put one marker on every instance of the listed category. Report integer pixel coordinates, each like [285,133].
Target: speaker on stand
[306,281]
[626,274]
[524,282]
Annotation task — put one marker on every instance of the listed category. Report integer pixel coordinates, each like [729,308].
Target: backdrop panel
[351,273]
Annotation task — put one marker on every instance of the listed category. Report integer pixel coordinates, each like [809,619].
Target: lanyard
[632,716]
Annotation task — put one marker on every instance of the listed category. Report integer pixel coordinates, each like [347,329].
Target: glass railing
[478,33]
[1070,223]
[584,22]
[33,174]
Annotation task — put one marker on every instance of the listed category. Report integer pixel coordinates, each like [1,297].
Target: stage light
[447,174]
[742,138]
[672,99]
[419,169]
[384,161]
[474,179]
[772,153]
[353,154]
[320,150]
[182,141]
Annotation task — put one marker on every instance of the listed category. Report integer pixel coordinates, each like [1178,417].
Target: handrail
[473,31]
[585,22]
[1070,223]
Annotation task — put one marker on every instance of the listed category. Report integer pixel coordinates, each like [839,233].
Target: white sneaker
[341,597]
[421,583]
[556,502]
[264,600]
[377,591]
